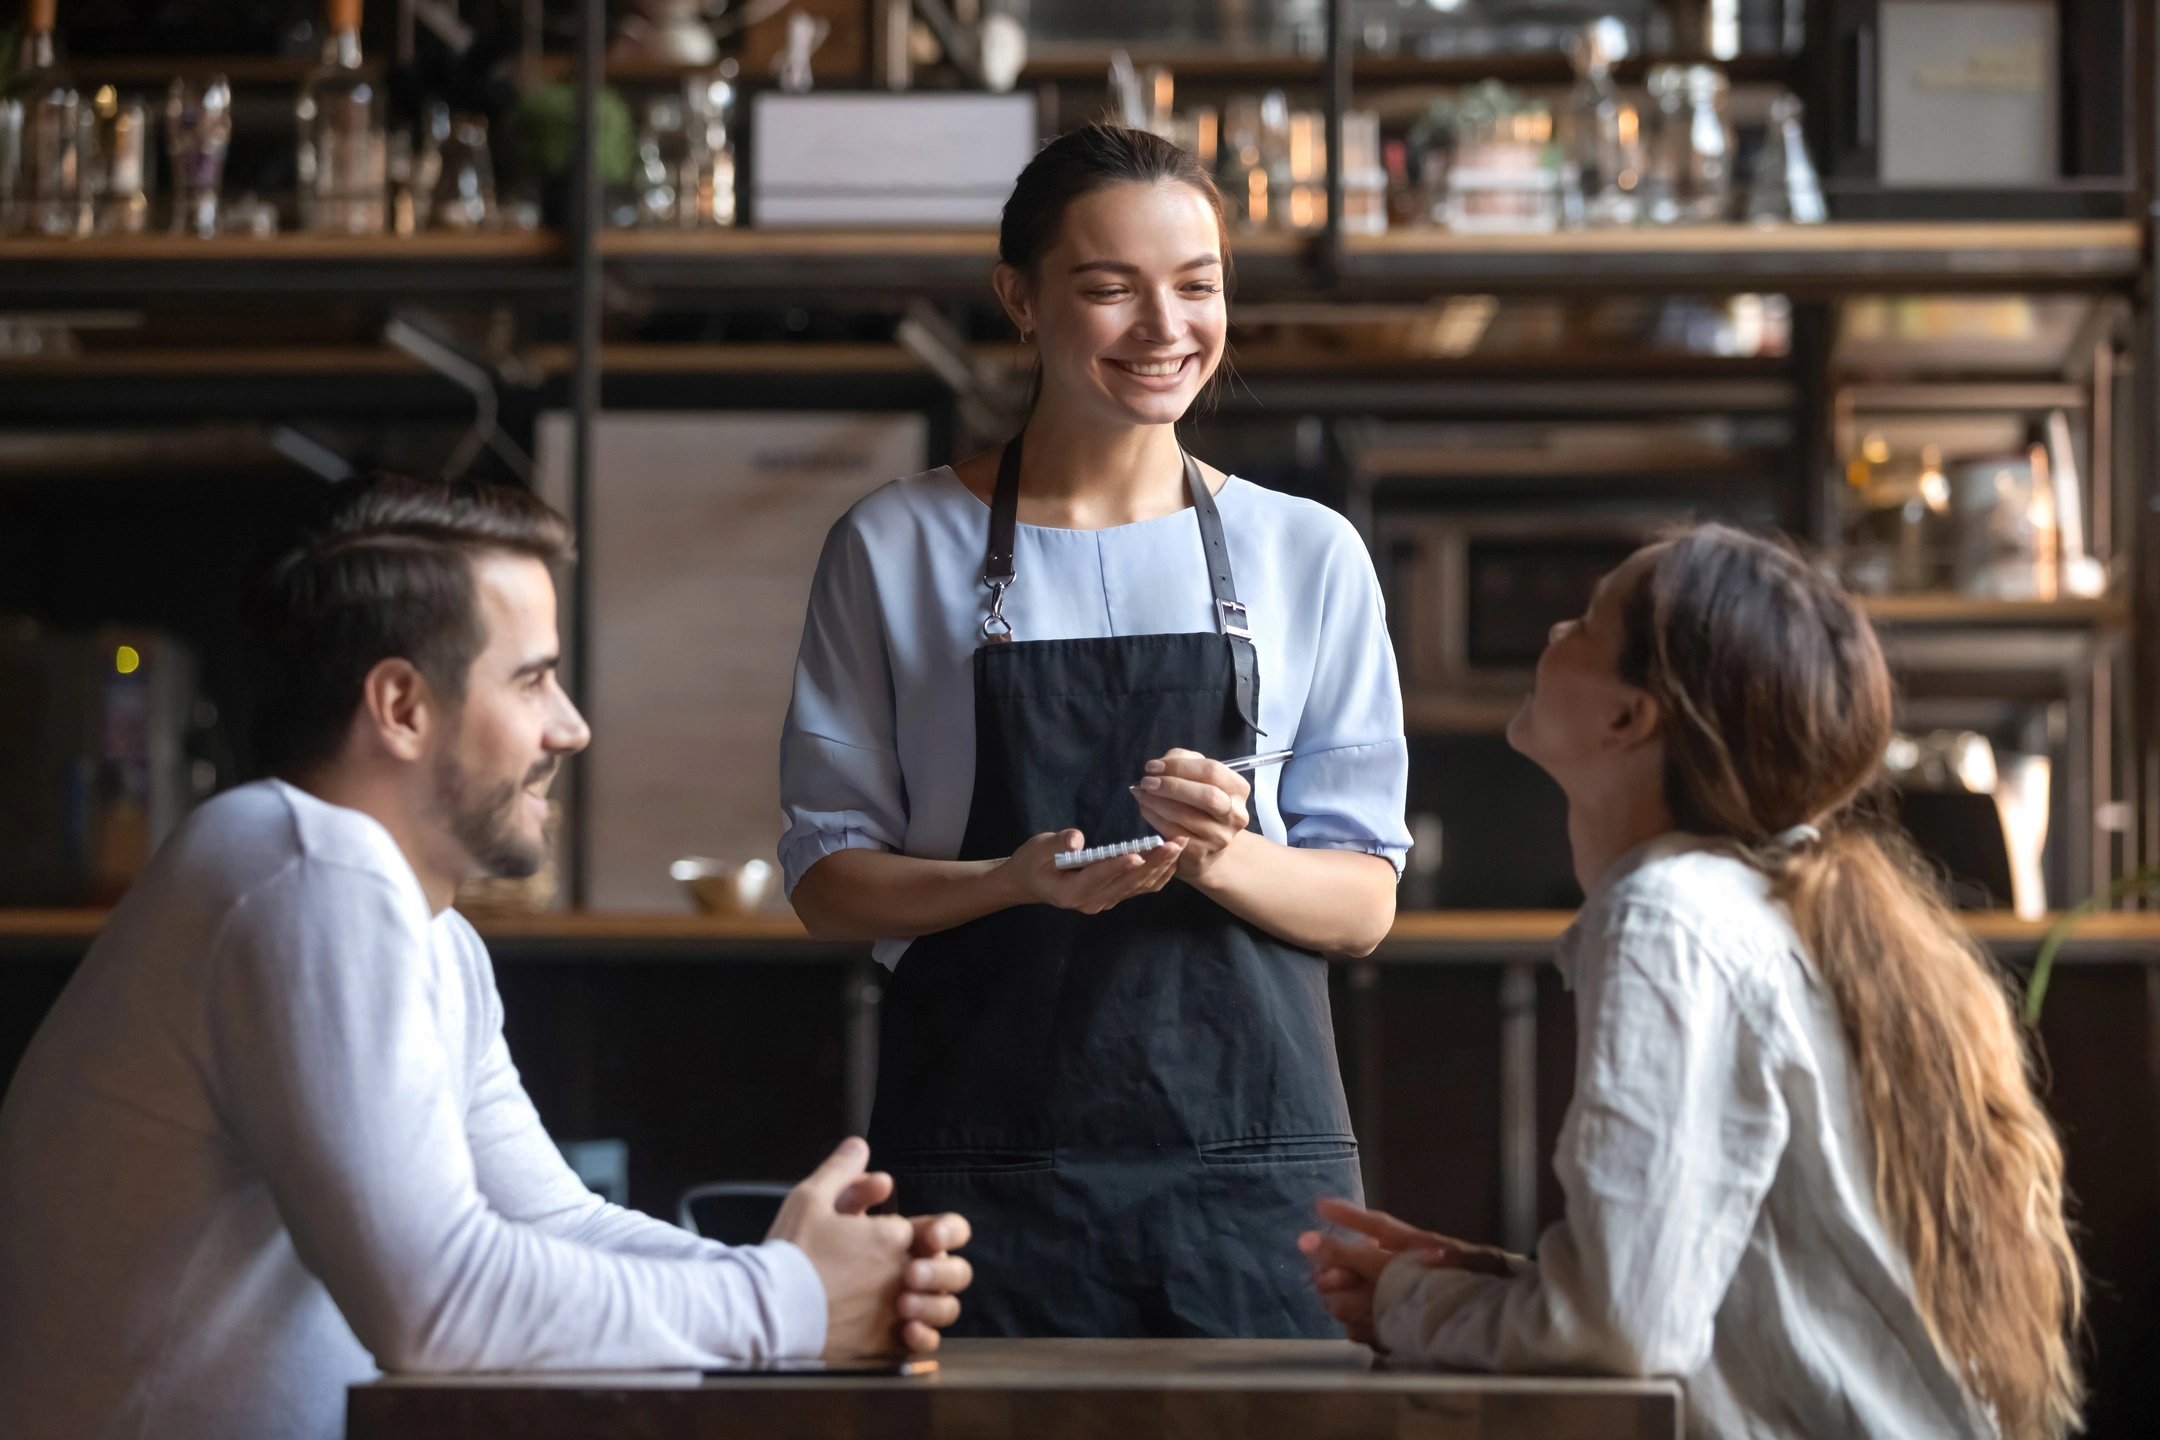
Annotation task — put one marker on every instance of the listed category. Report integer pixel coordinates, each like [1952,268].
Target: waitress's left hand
[1188,797]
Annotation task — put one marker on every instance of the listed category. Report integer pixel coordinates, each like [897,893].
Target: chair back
[733,1212]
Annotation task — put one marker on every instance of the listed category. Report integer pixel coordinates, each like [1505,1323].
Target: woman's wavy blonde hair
[1777,707]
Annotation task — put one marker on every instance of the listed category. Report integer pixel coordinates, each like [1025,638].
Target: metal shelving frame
[577,269]
[1814,265]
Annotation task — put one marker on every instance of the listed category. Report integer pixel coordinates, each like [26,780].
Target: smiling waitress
[1124,1074]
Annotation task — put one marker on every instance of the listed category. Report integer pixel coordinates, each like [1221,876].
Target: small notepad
[1073,859]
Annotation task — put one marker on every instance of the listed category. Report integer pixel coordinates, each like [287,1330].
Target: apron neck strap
[1230,616]
[1004,516]
[998,572]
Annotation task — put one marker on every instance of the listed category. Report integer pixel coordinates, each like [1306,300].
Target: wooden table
[1034,1390]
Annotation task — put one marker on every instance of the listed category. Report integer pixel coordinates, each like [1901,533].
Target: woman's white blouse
[879,747]
[1721,1221]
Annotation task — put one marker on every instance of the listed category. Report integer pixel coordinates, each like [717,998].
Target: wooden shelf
[155,72]
[1711,258]
[817,266]
[1218,65]
[290,245]
[1715,258]
[603,925]
[2105,612]
[199,362]
[120,359]
[783,358]
[47,272]
[1419,936]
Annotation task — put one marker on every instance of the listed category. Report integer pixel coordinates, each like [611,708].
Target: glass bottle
[1364,178]
[198,130]
[342,164]
[1276,161]
[662,147]
[1785,188]
[122,193]
[40,136]
[464,197]
[710,192]
[1603,159]
[1691,170]
[1240,172]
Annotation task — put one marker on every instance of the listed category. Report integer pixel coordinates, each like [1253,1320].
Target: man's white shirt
[270,1138]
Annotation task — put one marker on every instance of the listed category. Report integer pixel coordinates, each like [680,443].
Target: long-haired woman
[1122,1073]
[1804,1164]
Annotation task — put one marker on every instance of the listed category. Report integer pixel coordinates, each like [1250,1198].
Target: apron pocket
[969,1160]
[1278,1150]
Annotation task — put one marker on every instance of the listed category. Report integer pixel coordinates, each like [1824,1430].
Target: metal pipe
[859,1007]
[1369,1076]
[1518,1107]
[1336,100]
[584,407]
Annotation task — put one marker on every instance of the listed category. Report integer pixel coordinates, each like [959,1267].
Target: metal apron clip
[996,629]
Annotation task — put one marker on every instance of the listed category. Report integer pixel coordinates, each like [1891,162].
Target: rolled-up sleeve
[1667,1152]
[840,782]
[1345,788]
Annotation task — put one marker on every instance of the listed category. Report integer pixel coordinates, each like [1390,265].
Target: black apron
[1136,1110]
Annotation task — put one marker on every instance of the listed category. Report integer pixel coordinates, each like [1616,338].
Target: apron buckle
[1222,619]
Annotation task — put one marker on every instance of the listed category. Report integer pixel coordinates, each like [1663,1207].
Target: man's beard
[483,818]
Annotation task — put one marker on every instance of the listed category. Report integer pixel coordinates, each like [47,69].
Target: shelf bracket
[419,336]
[988,405]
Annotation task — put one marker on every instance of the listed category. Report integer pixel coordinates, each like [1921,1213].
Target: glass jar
[1691,158]
[464,197]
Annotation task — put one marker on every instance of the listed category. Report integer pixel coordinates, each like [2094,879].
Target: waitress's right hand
[1091,889]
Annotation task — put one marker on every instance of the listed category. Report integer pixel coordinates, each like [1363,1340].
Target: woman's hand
[1091,889]
[1347,1272]
[1188,797]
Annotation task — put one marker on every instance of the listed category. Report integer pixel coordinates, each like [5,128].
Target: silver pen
[1247,764]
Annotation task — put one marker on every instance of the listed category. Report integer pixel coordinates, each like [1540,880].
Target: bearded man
[270,1137]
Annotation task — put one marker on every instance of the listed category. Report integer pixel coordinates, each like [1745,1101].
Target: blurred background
[1519,282]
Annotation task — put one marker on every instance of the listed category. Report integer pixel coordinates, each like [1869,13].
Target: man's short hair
[387,574]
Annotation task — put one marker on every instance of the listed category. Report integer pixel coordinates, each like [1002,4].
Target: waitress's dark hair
[1095,157]
[1776,707]
[1080,162]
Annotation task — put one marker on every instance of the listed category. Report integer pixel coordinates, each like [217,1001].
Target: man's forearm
[876,895]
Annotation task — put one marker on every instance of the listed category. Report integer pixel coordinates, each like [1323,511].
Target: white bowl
[722,887]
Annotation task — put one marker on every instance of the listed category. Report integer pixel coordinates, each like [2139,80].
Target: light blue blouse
[879,747]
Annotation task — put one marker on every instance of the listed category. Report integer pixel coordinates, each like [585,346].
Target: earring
[1026,335]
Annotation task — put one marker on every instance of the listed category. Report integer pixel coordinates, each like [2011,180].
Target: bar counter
[1035,1390]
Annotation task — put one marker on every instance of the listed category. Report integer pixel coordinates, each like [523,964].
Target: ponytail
[1776,708]
[1968,1172]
